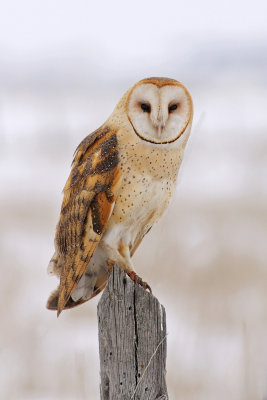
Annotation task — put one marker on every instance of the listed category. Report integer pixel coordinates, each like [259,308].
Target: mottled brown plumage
[122,179]
[88,198]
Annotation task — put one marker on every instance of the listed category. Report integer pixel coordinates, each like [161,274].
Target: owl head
[159,109]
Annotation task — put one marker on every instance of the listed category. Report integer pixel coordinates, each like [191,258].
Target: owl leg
[123,258]
[117,256]
[125,252]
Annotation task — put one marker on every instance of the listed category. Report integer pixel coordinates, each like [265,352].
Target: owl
[122,179]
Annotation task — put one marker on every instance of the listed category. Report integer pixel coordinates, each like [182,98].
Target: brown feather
[88,199]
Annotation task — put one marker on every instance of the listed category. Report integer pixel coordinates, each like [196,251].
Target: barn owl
[122,179]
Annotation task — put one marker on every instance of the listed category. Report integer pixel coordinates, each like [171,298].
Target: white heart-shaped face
[159,114]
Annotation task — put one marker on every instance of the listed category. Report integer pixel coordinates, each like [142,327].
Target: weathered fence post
[132,342]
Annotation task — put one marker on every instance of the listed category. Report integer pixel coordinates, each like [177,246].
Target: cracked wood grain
[132,342]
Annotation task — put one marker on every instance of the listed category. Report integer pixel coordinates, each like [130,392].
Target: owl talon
[147,287]
[137,280]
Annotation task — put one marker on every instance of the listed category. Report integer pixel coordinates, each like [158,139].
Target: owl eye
[146,107]
[173,107]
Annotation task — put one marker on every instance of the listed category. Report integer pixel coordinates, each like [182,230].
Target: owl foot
[134,277]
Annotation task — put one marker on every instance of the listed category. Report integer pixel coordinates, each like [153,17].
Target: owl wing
[89,196]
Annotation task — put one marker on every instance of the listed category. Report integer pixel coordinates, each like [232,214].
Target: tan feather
[88,199]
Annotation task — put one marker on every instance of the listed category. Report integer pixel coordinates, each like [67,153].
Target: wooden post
[132,342]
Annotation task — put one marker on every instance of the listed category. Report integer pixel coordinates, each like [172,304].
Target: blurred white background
[64,66]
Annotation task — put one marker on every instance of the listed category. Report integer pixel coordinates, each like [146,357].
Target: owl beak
[161,120]
[158,122]
[160,128]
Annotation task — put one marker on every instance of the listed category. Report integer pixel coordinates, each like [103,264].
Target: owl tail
[89,286]
[52,302]
[55,268]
